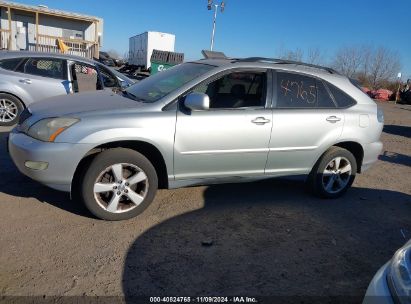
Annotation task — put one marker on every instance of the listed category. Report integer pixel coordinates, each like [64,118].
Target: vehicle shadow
[13,183]
[396,158]
[270,238]
[398,130]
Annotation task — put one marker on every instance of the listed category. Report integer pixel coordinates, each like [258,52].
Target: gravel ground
[257,239]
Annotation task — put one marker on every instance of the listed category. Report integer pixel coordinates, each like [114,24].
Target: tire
[125,201]
[10,109]
[319,180]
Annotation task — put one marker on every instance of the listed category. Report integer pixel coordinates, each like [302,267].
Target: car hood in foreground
[82,103]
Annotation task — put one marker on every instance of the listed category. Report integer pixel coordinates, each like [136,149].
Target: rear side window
[296,91]
[301,91]
[45,67]
[10,64]
[342,99]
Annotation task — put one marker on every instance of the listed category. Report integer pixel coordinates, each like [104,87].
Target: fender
[20,93]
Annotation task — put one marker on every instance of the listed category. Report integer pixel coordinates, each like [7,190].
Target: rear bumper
[62,159]
[371,153]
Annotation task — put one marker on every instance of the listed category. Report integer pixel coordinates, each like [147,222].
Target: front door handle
[28,81]
[333,119]
[260,121]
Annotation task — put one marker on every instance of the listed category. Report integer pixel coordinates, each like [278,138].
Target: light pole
[212,6]
[397,95]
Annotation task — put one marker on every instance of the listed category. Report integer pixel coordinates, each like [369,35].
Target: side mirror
[197,102]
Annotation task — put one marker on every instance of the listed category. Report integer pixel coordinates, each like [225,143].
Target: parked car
[405,95]
[27,77]
[392,283]
[203,122]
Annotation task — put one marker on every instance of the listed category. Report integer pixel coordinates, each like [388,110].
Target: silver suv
[204,122]
[28,77]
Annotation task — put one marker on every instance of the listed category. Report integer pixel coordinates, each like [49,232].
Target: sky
[254,28]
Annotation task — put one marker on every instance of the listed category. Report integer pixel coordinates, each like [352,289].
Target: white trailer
[141,47]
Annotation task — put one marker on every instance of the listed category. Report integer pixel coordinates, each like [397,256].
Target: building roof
[48,11]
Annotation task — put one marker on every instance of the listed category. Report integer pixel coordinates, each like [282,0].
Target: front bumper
[378,291]
[371,153]
[62,159]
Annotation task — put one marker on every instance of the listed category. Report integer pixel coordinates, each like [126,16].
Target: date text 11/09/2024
[203,300]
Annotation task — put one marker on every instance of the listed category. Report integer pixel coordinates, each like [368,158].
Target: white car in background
[392,283]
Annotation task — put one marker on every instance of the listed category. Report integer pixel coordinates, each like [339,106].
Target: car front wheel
[119,184]
[333,174]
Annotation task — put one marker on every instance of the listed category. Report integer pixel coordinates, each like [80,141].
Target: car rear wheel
[333,174]
[10,109]
[119,184]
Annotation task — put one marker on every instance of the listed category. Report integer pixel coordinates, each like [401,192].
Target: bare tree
[373,66]
[384,65]
[312,56]
[113,54]
[295,55]
[126,56]
[348,60]
[315,56]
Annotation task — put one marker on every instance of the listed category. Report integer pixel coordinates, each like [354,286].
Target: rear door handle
[260,121]
[28,81]
[333,119]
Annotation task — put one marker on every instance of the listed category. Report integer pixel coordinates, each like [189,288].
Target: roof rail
[284,61]
[213,55]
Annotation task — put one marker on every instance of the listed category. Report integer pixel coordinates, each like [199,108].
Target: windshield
[155,87]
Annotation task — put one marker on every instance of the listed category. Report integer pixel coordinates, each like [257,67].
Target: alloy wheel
[336,175]
[8,110]
[121,188]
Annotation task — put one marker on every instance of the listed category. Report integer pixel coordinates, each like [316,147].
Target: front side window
[45,67]
[157,86]
[236,90]
[10,64]
[109,80]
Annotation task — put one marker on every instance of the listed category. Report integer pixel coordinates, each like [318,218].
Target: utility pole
[212,6]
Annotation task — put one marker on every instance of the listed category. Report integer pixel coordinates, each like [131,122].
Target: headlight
[399,276]
[48,129]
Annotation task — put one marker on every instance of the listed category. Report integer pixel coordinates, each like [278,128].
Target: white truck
[141,47]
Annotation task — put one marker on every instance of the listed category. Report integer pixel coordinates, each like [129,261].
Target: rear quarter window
[10,64]
[323,96]
[342,99]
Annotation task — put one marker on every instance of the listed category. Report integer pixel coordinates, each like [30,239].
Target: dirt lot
[265,238]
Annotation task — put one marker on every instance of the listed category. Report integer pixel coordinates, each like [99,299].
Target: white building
[38,28]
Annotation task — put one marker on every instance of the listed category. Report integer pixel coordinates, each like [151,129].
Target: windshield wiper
[134,97]
[130,95]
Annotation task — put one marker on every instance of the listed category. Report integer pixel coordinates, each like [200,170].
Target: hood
[82,102]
